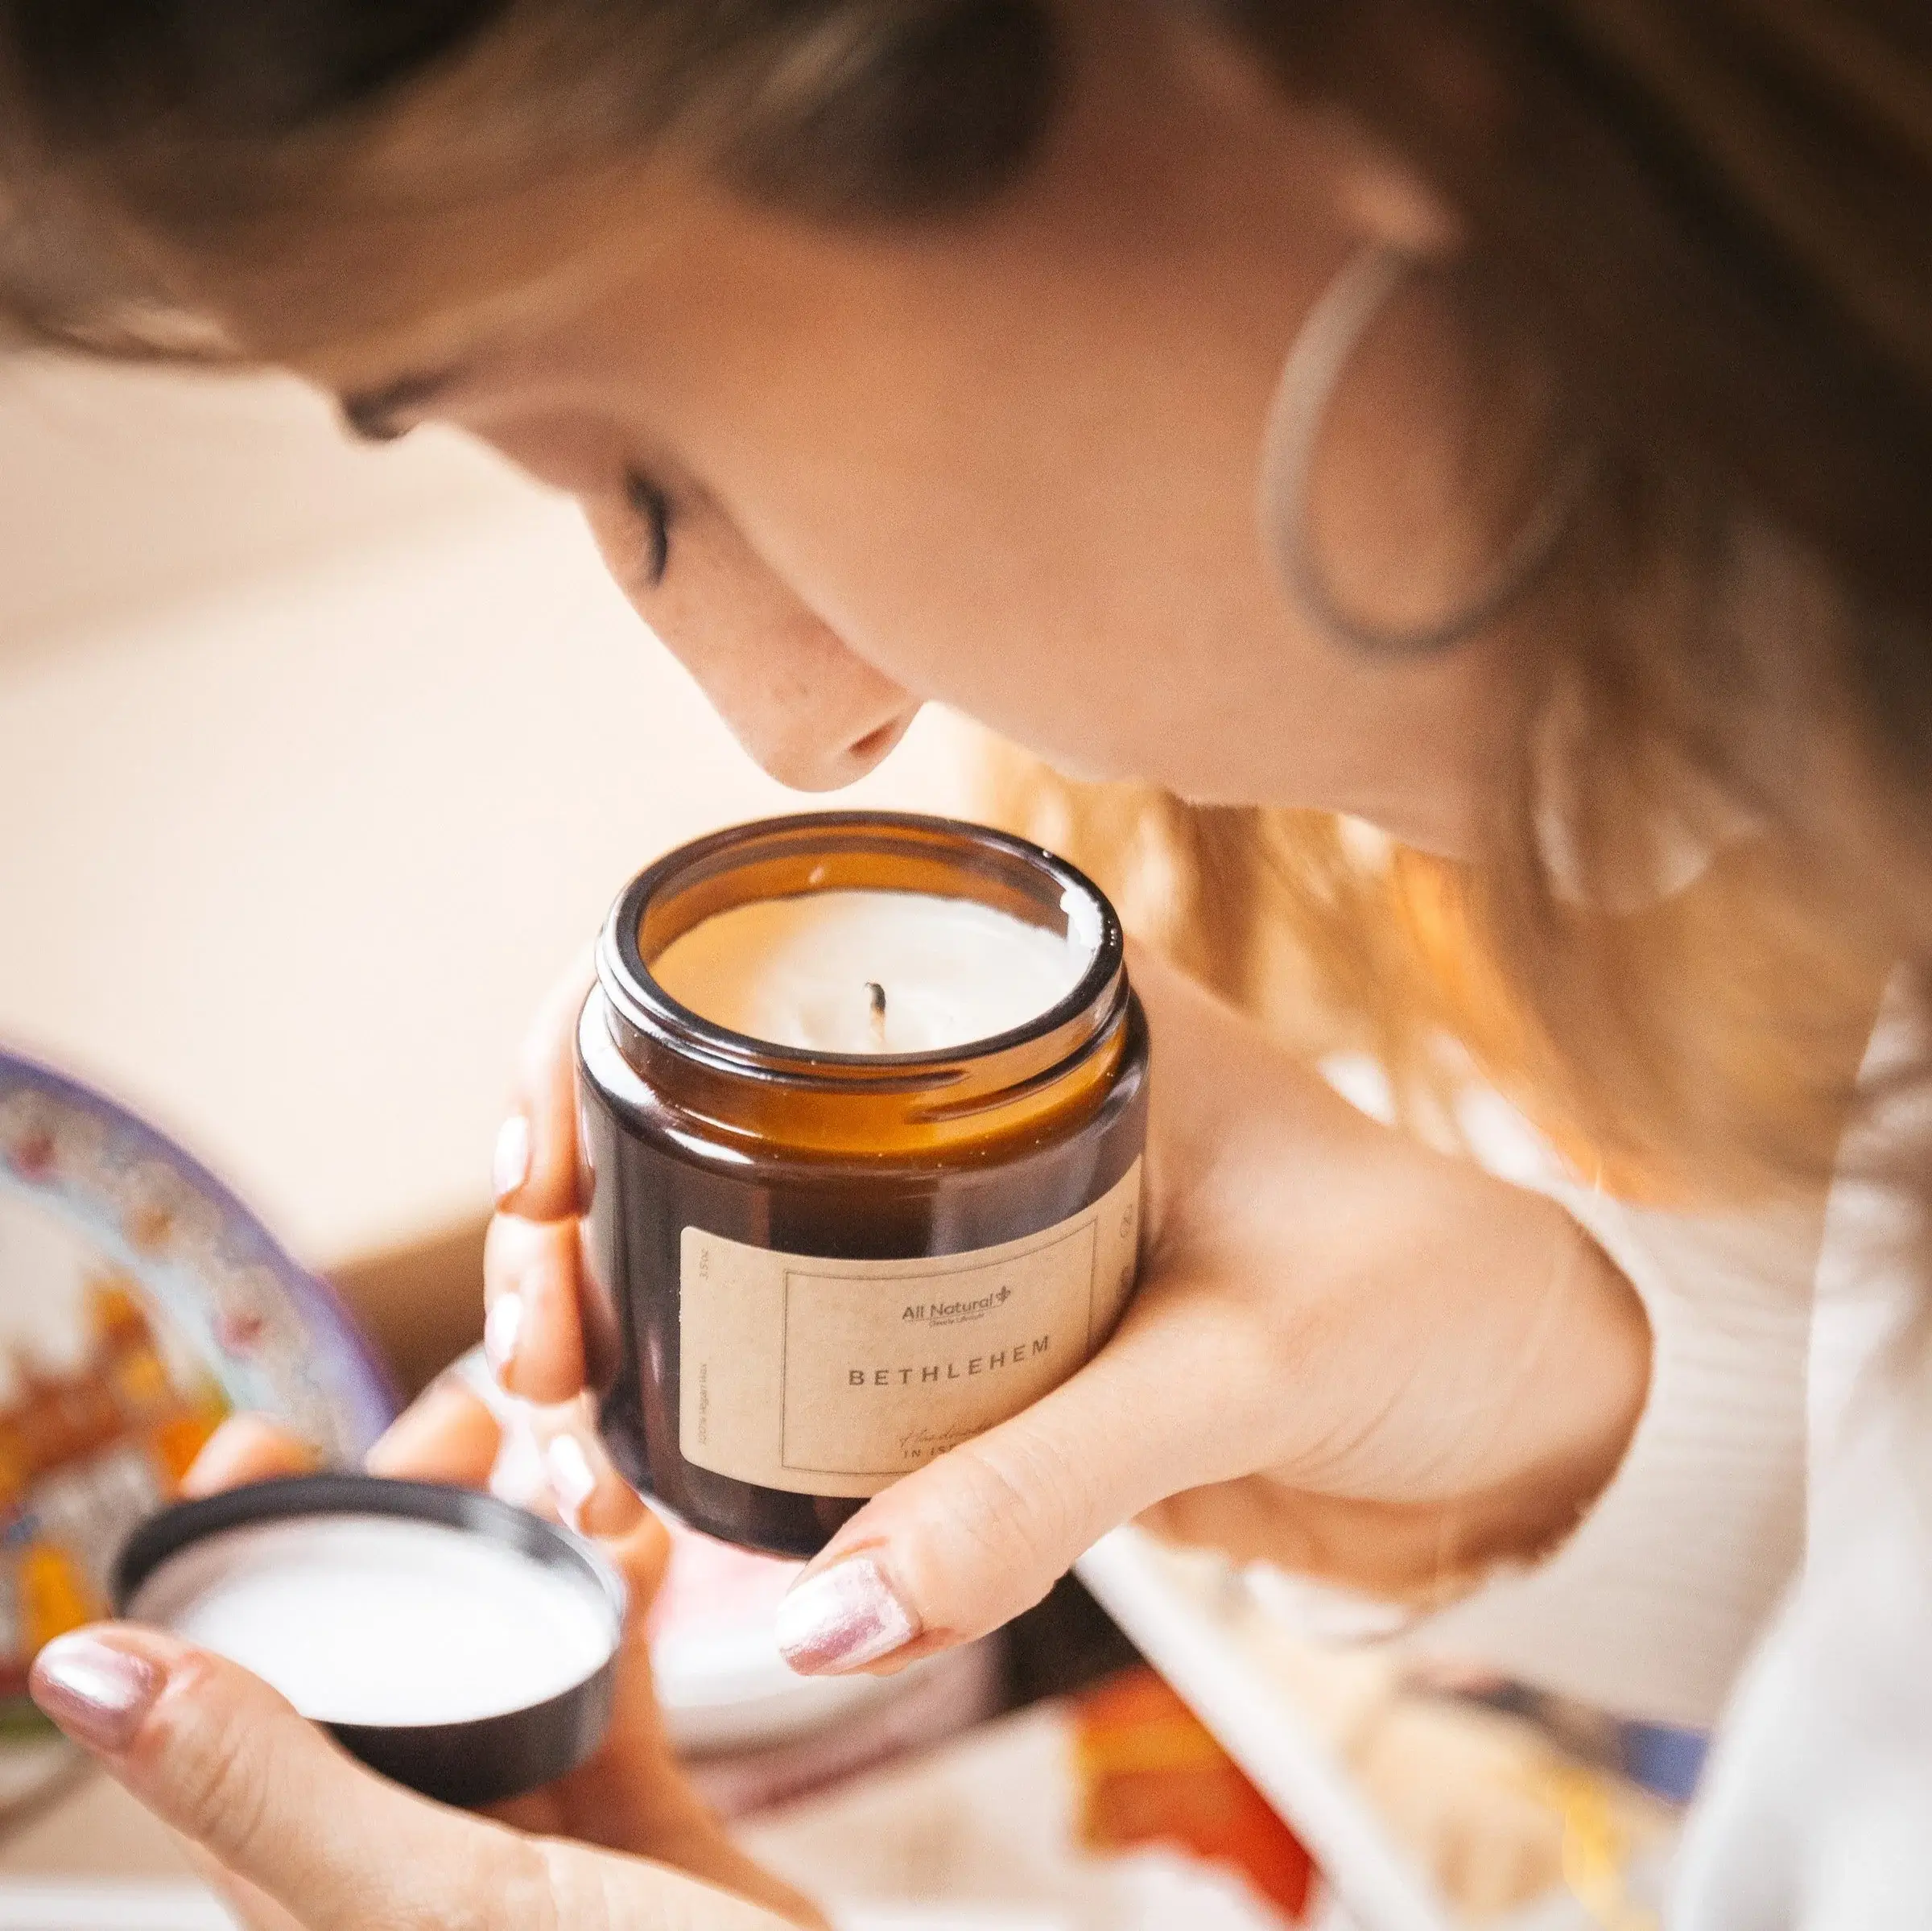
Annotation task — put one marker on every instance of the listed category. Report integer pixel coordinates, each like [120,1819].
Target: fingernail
[842,1618]
[501,1329]
[572,1479]
[96,1694]
[511,1167]
[502,1325]
[520,1474]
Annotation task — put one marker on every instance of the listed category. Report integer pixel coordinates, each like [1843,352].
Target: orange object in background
[1150,1773]
[52,1598]
[87,1451]
[176,1441]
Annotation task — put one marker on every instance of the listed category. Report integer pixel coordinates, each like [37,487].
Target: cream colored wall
[119,490]
[316,763]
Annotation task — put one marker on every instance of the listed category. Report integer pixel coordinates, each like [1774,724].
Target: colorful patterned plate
[140,1302]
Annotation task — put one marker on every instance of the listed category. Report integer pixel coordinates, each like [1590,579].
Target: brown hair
[1709,213]
[157,156]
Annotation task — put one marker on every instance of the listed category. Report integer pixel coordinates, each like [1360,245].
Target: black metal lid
[478,1760]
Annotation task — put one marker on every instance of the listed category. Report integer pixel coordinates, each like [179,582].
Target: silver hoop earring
[1322,352]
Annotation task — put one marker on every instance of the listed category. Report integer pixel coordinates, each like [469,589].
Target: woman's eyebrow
[371,414]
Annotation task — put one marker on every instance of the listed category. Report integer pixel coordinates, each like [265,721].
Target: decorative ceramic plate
[140,1302]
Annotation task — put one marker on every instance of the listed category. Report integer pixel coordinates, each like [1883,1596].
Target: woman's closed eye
[652,507]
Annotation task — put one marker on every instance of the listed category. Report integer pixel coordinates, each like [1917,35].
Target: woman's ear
[1380,199]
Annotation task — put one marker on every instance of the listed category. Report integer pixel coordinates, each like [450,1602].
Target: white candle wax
[372,1620]
[802,971]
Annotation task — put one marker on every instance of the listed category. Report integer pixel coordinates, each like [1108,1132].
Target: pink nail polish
[572,1479]
[96,1694]
[502,1327]
[510,1166]
[842,1618]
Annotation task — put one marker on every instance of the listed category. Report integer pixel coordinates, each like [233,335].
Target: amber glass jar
[811,1272]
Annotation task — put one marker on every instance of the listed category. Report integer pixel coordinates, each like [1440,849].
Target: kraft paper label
[835,1377]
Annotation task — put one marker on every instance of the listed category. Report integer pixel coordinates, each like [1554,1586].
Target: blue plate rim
[311,1293]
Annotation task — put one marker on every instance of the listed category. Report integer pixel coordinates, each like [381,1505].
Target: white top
[1780,1395]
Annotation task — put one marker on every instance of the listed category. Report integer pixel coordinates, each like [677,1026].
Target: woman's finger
[594,1499]
[449,1435]
[533,1330]
[456,1434]
[247,1904]
[535,1165]
[533,1334]
[642,1553]
[1180,1397]
[245,1449]
[591,1496]
[218,1755]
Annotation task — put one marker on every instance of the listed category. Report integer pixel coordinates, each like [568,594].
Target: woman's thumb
[966,1543]
[218,1754]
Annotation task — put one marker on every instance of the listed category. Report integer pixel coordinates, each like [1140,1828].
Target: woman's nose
[816,723]
[810,710]
[816,716]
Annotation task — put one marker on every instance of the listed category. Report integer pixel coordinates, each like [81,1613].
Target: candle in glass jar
[864,1102]
[863,972]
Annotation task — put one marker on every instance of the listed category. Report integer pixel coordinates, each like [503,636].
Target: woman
[1579,360]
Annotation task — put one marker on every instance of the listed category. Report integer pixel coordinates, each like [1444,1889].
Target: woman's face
[1008,462]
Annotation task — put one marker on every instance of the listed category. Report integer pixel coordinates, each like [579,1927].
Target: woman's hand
[1349,1354]
[296,1833]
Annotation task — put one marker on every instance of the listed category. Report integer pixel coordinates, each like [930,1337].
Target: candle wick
[875,995]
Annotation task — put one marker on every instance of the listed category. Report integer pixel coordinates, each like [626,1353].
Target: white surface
[370,1619]
[30,1768]
[1374,1878]
[802,971]
[34,1906]
[317,766]
[943,1917]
